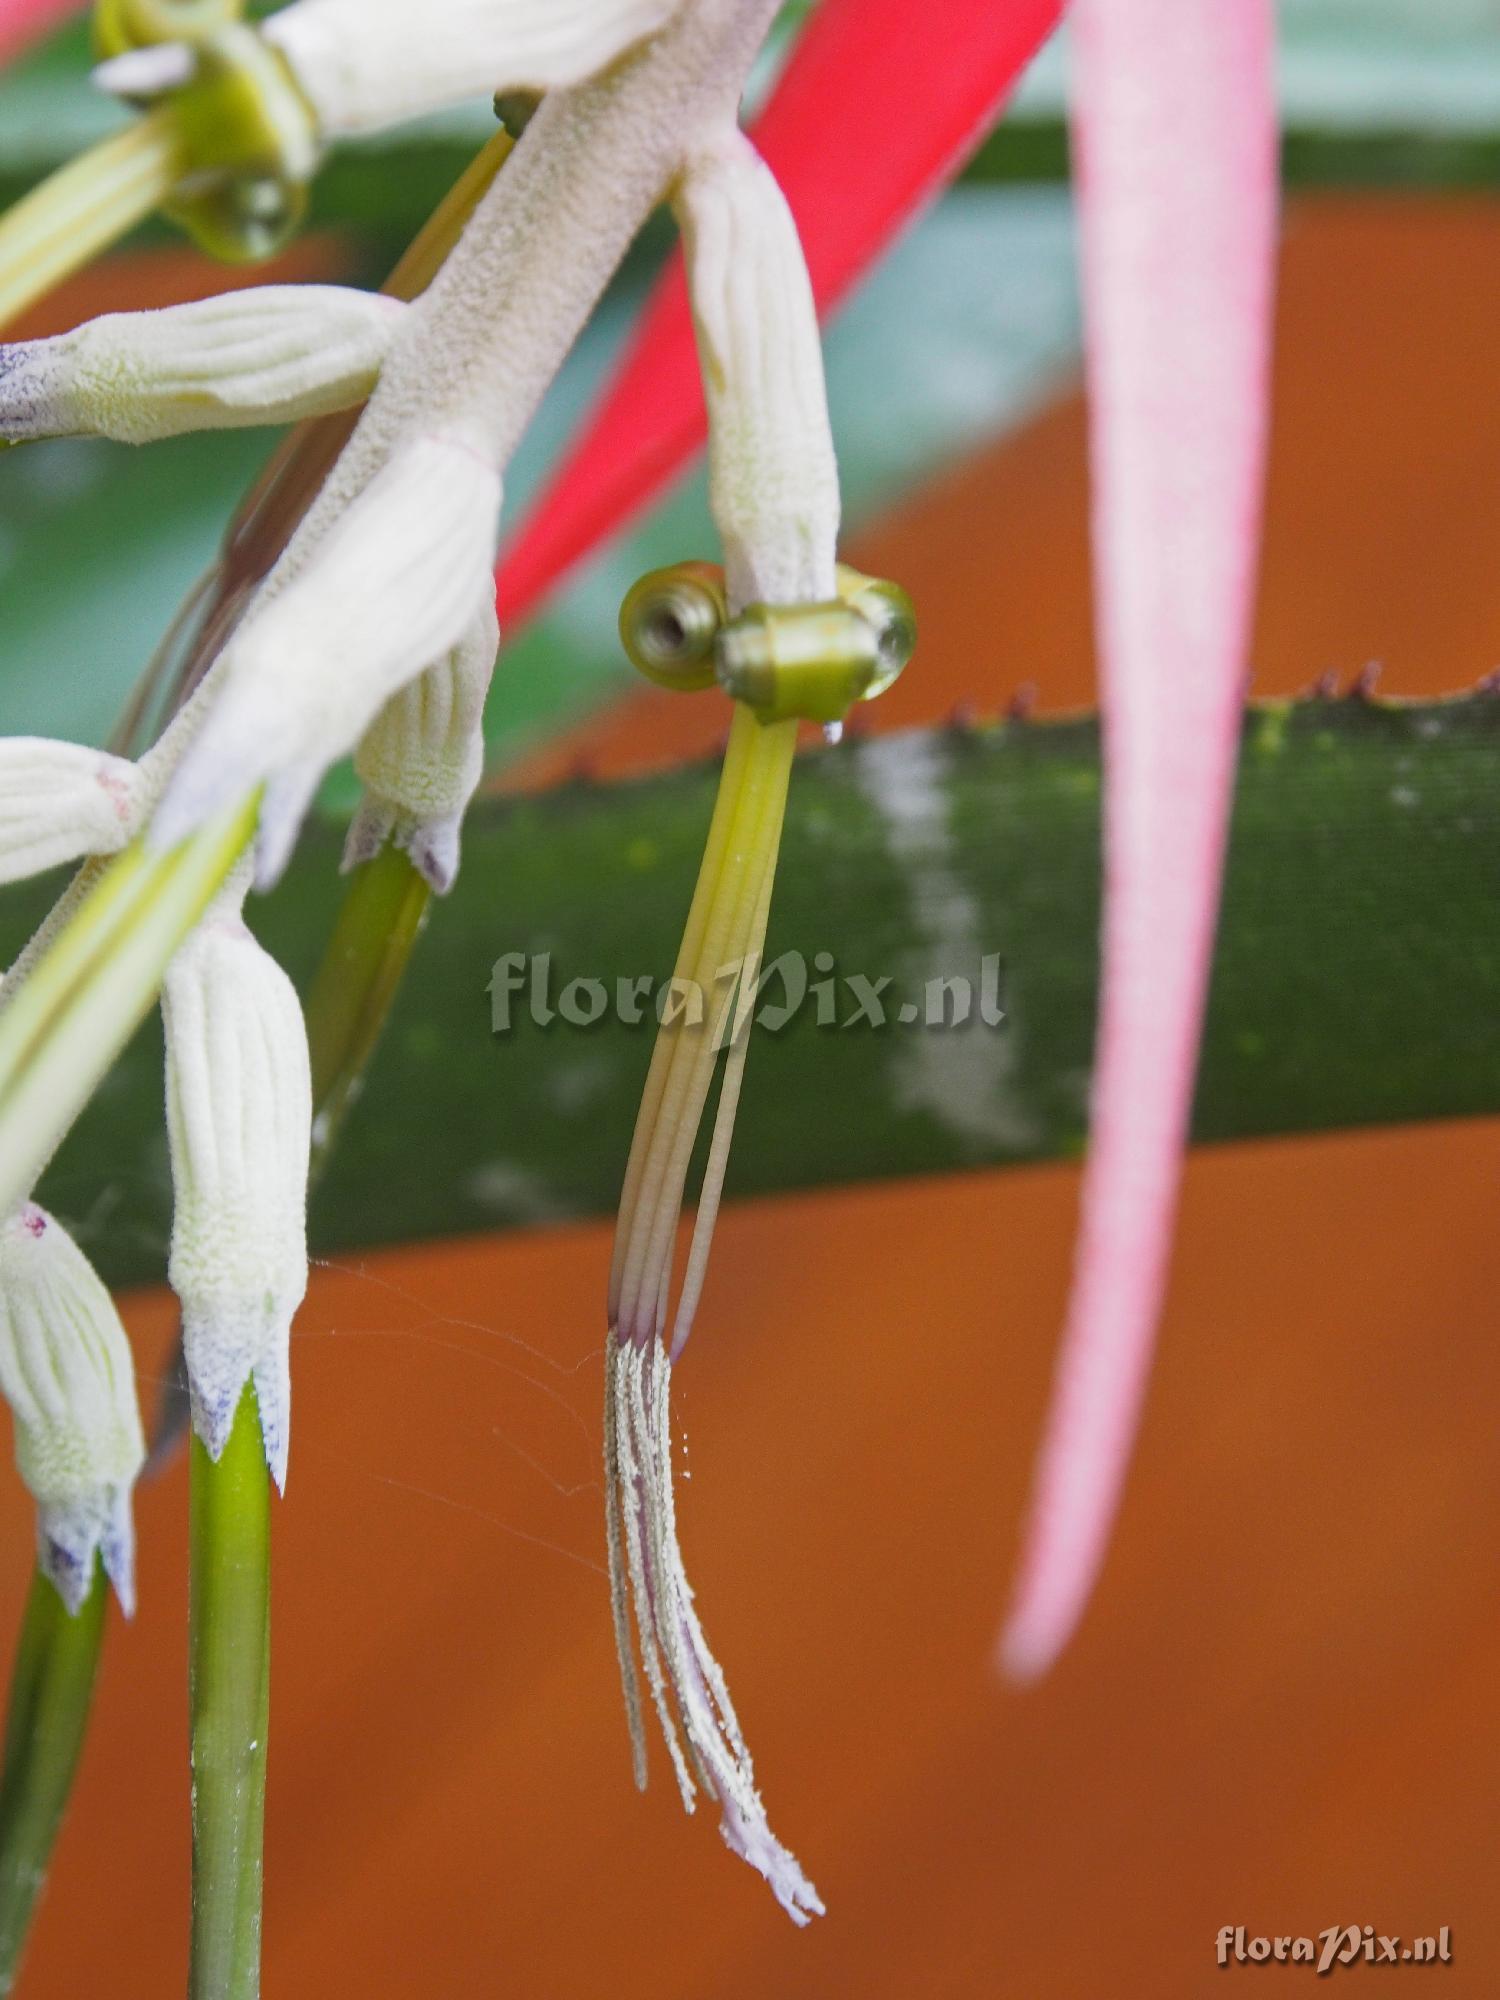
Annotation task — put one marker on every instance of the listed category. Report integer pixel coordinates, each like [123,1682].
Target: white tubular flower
[267,355]
[395,585]
[65,1370]
[59,802]
[773,486]
[361,65]
[239,1119]
[422,757]
[773,477]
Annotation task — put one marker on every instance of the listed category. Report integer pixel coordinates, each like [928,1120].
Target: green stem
[229,1694]
[50,1691]
[377,927]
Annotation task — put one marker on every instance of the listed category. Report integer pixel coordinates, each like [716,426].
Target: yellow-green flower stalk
[789,636]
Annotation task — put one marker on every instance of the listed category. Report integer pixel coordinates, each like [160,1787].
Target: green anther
[811,662]
[887,610]
[670,621]
[808,662]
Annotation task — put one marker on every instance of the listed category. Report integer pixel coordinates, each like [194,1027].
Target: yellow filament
[84,207]
[425,255]
[91,985]
[725,926]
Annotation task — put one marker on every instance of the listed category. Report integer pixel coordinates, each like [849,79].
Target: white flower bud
[267,355]
[773,477]
[61,801]
[239,1119]
[421,758]
[397,582]
[66,1371]
[364,64]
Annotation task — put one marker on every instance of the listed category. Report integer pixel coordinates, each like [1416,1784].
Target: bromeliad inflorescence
[371,631]
[353,614]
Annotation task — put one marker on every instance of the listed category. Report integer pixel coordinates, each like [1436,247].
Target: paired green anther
[811,662]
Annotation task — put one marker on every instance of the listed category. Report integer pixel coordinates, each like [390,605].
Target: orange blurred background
[1280,1710]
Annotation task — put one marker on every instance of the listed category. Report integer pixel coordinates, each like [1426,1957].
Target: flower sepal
[65,1370]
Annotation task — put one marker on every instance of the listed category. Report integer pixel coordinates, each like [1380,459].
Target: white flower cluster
[374,634]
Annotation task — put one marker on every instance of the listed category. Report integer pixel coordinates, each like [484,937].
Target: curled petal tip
[755,1843]
[273,1398]
[434,850]
[369,830]
[117,1551]
[686,1683]
[28,391]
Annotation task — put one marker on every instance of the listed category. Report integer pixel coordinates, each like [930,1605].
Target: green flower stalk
[51,1690]
[229,1697]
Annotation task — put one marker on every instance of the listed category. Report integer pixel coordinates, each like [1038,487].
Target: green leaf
[1357,978]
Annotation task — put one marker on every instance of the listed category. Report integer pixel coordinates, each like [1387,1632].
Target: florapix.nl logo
[528,986]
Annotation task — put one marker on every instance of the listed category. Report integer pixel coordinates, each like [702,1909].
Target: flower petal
[395,584]
[422,758]
[66,1371]
[365,64]
[268,354]
[61,801]
[239,1118]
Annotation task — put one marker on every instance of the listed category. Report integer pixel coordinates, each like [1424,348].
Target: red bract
[874,112]
[1176,148]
